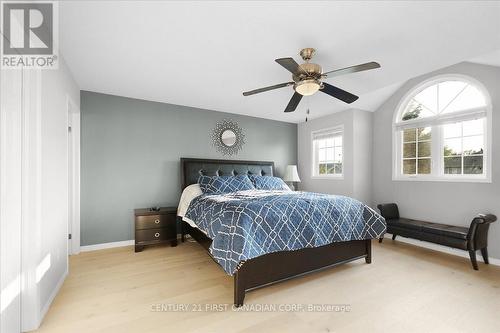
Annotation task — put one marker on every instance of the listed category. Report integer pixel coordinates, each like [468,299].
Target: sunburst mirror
[228,137]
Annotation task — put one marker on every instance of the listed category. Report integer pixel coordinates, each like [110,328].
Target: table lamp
[291,176]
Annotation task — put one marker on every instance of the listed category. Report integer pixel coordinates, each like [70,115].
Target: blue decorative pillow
[269,183]
[224,184]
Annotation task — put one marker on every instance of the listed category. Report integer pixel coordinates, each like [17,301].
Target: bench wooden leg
[393,236]
[484,253]
[473,260]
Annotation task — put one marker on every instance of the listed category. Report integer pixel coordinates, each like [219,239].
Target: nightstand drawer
[148,235]
[154,221]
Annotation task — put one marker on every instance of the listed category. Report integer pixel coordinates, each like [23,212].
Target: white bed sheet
[189,193]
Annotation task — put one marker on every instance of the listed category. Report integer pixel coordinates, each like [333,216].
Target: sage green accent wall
[130,151]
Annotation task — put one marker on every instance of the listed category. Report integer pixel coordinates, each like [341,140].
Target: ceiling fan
[307,79]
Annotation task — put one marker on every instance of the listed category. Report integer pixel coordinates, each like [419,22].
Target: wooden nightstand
[153,228]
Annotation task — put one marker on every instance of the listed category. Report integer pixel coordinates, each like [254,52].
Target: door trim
[74,186]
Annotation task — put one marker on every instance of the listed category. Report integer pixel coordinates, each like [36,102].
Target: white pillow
[189,193]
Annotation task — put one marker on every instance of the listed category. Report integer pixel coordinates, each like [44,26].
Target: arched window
[441,131]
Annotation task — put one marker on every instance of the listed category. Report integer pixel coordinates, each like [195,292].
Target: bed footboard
[280,266]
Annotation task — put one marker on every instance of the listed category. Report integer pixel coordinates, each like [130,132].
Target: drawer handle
[157,234]
[157,221]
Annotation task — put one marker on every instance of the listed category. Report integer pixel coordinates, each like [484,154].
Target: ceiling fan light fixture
[307,87]
[307,79]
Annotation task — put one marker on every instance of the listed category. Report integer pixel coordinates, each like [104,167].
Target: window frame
[335,131]
[437,143]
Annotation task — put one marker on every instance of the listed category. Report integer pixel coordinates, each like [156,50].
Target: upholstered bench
[471,239]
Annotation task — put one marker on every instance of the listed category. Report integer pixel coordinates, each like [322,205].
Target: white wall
[445,202]
[356,181]
[362,155]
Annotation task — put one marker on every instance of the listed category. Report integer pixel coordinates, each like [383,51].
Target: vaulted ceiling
[205,54]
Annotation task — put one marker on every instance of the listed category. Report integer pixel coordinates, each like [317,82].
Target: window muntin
[463,148]
[417,151]
[328,152]
[455,114]
[441,98]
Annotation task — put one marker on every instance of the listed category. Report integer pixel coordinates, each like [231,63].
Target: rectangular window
[417,151]
[463,148]
[328,152]
[450,151]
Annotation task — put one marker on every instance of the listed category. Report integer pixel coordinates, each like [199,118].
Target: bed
[258,266]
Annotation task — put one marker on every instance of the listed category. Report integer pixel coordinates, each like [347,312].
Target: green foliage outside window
[412,114]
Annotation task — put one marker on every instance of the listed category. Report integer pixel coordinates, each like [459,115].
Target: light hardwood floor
[405,289]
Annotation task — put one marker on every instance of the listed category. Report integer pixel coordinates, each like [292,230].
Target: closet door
[11,87]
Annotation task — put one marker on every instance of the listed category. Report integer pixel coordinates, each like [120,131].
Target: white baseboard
[53,295]
[441,248]
[432,246]
[103,246]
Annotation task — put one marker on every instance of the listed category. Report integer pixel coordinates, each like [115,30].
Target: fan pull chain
[307,111]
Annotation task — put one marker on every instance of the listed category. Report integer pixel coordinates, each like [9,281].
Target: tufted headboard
[192,168]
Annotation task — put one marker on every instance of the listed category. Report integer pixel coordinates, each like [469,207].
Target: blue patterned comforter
[247,224]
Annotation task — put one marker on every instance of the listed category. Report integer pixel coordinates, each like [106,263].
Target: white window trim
[334,176]
[334,130]
[437,174]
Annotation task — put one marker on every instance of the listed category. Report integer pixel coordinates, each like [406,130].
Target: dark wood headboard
[192,168]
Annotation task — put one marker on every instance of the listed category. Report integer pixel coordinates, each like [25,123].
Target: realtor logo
[28,35]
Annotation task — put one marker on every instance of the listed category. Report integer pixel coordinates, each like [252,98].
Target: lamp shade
[291,174]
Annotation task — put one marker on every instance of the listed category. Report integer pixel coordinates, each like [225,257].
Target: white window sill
[332,177]
[442,179]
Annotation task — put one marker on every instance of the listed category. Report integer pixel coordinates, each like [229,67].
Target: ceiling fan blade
[338,93]
[276,86]
[294,101]
[353,69]
[291,65]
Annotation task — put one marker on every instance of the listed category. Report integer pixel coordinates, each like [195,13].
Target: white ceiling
[205,54]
